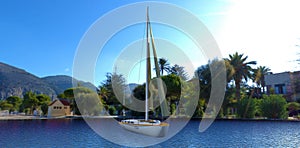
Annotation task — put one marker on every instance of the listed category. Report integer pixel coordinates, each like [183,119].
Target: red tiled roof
[64,102]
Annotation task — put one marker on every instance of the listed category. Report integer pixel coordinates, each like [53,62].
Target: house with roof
[285,83]
[59,107]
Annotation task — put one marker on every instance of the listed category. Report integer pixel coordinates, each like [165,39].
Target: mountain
[16,82]
[60,83]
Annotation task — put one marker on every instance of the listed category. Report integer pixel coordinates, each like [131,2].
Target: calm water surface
[76,133]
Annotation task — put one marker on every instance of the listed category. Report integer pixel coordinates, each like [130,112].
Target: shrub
[246,108]
[173,108]
[200,108]
[274,107]
[44,108]
[112,110]
[293,108]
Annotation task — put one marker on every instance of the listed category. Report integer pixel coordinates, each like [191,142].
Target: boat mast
[148,69]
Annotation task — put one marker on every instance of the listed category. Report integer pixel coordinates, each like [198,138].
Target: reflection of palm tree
[259,76]
[163,65]
[239,69]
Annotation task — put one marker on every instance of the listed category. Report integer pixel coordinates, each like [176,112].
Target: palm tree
[103,93]
[179,71]
[239,69]
[163,65]
[259,76]
[112,88]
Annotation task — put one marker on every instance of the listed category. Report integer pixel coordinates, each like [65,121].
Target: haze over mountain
[16,82]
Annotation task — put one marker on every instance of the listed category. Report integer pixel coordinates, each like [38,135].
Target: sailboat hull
[154,130]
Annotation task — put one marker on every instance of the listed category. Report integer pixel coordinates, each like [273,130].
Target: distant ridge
[59,83]
[16,82]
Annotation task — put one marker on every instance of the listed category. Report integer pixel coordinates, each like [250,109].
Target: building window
[280,89]
[57,107]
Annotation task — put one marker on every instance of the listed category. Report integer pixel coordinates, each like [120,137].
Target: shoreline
[21,117]
[31,117]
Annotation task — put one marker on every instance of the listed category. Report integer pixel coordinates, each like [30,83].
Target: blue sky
[42,36]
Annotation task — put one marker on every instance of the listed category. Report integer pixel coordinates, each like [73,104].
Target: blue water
[76,133]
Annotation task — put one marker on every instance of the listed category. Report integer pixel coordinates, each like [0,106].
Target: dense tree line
[27,104]
[240,100]
[87,99]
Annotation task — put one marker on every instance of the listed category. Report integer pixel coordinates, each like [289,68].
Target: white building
[59,108]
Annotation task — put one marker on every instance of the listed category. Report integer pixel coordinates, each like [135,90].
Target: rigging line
[142,53]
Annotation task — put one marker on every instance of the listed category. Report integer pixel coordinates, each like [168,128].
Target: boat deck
[141,124]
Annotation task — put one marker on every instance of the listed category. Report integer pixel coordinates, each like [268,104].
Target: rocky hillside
[61,82]
[16,82]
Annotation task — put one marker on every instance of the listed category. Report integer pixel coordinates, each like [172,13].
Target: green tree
[204,76]
[173,87]
[246,108]
[139,92]
[163,65]
[15,101]
[200,108]
[70,95]
[273,106]
[43,99]
[173,84]
[30,102]
[259,76]
[293,108]
[89,103]
[119,86]
[203,73]
[189,97]
[4,105]
[239,70]
[179,71]
[103,93]
[62,96]
[112,110]
[112,88]
[44,108]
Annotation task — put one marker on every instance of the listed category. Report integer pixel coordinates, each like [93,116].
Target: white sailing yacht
[147,126]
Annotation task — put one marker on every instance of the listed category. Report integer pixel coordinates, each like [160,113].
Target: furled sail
[159,94]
